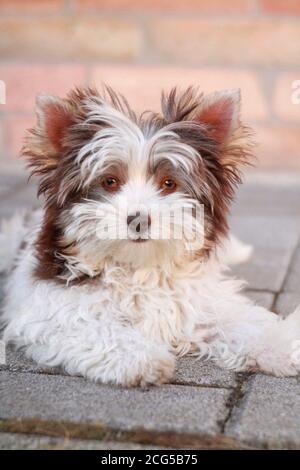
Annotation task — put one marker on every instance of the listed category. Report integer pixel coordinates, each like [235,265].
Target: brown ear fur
[58,117]
[50,149]
[48,152]
[46,145]
[43,143]
[211,124]
[61,130]
[219,115]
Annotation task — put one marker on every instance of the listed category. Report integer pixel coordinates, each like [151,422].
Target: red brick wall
[140,46]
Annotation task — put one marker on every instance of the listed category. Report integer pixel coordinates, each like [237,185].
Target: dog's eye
[168,185]
[110,183]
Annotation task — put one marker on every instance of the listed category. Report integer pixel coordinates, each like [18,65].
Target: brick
[287,302]
[192,41]
[68,38]
[201,6]
[268,415]
[278,147]
[280,6]
[30,6]
[161,409]
[24,82]
[142,85]
[286,100]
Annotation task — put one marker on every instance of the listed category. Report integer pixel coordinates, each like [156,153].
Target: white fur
[146,303]
[127,326]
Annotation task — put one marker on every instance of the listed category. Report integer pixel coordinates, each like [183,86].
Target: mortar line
[235,398]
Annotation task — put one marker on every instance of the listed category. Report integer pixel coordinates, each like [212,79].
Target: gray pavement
[204,406]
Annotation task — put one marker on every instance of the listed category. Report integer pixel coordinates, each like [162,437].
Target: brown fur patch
[62,130]
[207,126]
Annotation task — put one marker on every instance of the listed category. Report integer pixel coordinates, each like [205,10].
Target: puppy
[120,272]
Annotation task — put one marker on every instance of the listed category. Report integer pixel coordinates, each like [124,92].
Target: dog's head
[132,189]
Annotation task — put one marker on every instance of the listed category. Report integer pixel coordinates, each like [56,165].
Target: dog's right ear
[44,144]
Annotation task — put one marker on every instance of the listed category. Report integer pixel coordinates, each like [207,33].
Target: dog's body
[118,310]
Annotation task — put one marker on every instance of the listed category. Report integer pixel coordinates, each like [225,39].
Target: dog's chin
[143,253]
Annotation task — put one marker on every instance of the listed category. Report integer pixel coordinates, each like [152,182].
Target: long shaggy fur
[121,309]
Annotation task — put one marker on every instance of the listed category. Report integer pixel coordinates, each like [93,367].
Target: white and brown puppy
[120,309]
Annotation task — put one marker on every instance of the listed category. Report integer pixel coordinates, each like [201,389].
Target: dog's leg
[108,353]
[250,337]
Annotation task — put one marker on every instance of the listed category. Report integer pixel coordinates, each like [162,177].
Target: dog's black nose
[138,219]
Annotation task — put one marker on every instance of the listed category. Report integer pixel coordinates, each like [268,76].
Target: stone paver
[263,298]
[179,409]
[267,215]
[267,268]
[190,370]
[292,283]
[270,194]
[269,413]
[204,406]
[287,302]
[196,372]
[16,361]
[10,182]
[20,199]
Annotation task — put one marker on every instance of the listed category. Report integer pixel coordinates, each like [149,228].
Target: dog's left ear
[211,125]
[217,117]
[220,113]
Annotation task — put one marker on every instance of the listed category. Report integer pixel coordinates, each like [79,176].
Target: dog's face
[148,191]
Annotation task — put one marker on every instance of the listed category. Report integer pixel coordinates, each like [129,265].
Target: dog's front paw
[159,371]
[142,367]
[153,370]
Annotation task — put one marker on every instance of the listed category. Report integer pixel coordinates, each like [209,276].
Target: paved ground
[204,407]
